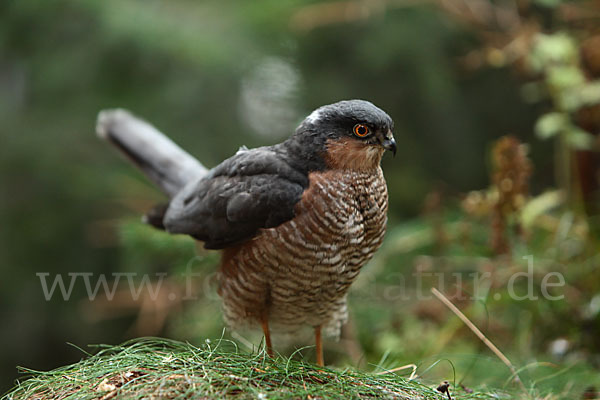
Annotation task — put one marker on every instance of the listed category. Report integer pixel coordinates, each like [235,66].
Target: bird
[295,221]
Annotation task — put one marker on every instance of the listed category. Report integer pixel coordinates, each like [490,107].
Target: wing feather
[252,190]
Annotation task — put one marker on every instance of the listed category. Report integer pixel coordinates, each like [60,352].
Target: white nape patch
[314,116]
[242,149]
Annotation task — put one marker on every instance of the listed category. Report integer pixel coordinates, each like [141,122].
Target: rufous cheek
[352,154]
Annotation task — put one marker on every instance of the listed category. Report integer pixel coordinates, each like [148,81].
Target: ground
[165,369]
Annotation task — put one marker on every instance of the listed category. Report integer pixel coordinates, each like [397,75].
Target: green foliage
[551,124]
[556,57]
[557,123]
[548,3]
[147,249]
[558,49]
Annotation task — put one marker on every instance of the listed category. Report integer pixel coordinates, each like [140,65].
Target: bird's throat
[350,154]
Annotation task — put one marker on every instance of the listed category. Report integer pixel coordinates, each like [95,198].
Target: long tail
[159,158]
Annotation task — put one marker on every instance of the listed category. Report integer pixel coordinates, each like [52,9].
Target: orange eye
[361,130]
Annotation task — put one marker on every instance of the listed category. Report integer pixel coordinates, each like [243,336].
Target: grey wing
[254,189]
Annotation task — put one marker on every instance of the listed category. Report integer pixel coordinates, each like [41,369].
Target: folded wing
[252,190]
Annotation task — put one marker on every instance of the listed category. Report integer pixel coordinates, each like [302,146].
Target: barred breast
[299,272]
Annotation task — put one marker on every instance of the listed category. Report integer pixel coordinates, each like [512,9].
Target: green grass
[165,369]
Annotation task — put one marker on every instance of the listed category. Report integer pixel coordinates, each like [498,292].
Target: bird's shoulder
[267,160]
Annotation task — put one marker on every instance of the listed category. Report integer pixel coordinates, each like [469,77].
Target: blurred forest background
[496,106]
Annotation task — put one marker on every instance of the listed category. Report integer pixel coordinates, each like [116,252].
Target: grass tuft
[152,368]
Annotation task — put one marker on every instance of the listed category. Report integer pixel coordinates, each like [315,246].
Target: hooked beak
[389,144]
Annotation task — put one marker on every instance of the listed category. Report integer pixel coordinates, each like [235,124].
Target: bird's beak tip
[390,144]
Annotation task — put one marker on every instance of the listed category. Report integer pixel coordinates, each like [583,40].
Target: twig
[479,334]
[410,378]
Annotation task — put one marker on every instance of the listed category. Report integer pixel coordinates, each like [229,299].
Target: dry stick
[410,378]
[479,334]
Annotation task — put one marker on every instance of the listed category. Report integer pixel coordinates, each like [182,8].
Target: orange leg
[319,348]
[265,328]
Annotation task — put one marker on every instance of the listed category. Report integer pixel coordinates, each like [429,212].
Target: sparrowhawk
[295,221]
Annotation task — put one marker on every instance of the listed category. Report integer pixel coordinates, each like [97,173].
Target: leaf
[540,205]
[578,139]
[551,50]
[565,77]
[589,94]
[551,124]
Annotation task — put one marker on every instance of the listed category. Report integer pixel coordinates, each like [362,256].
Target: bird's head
[351,134]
